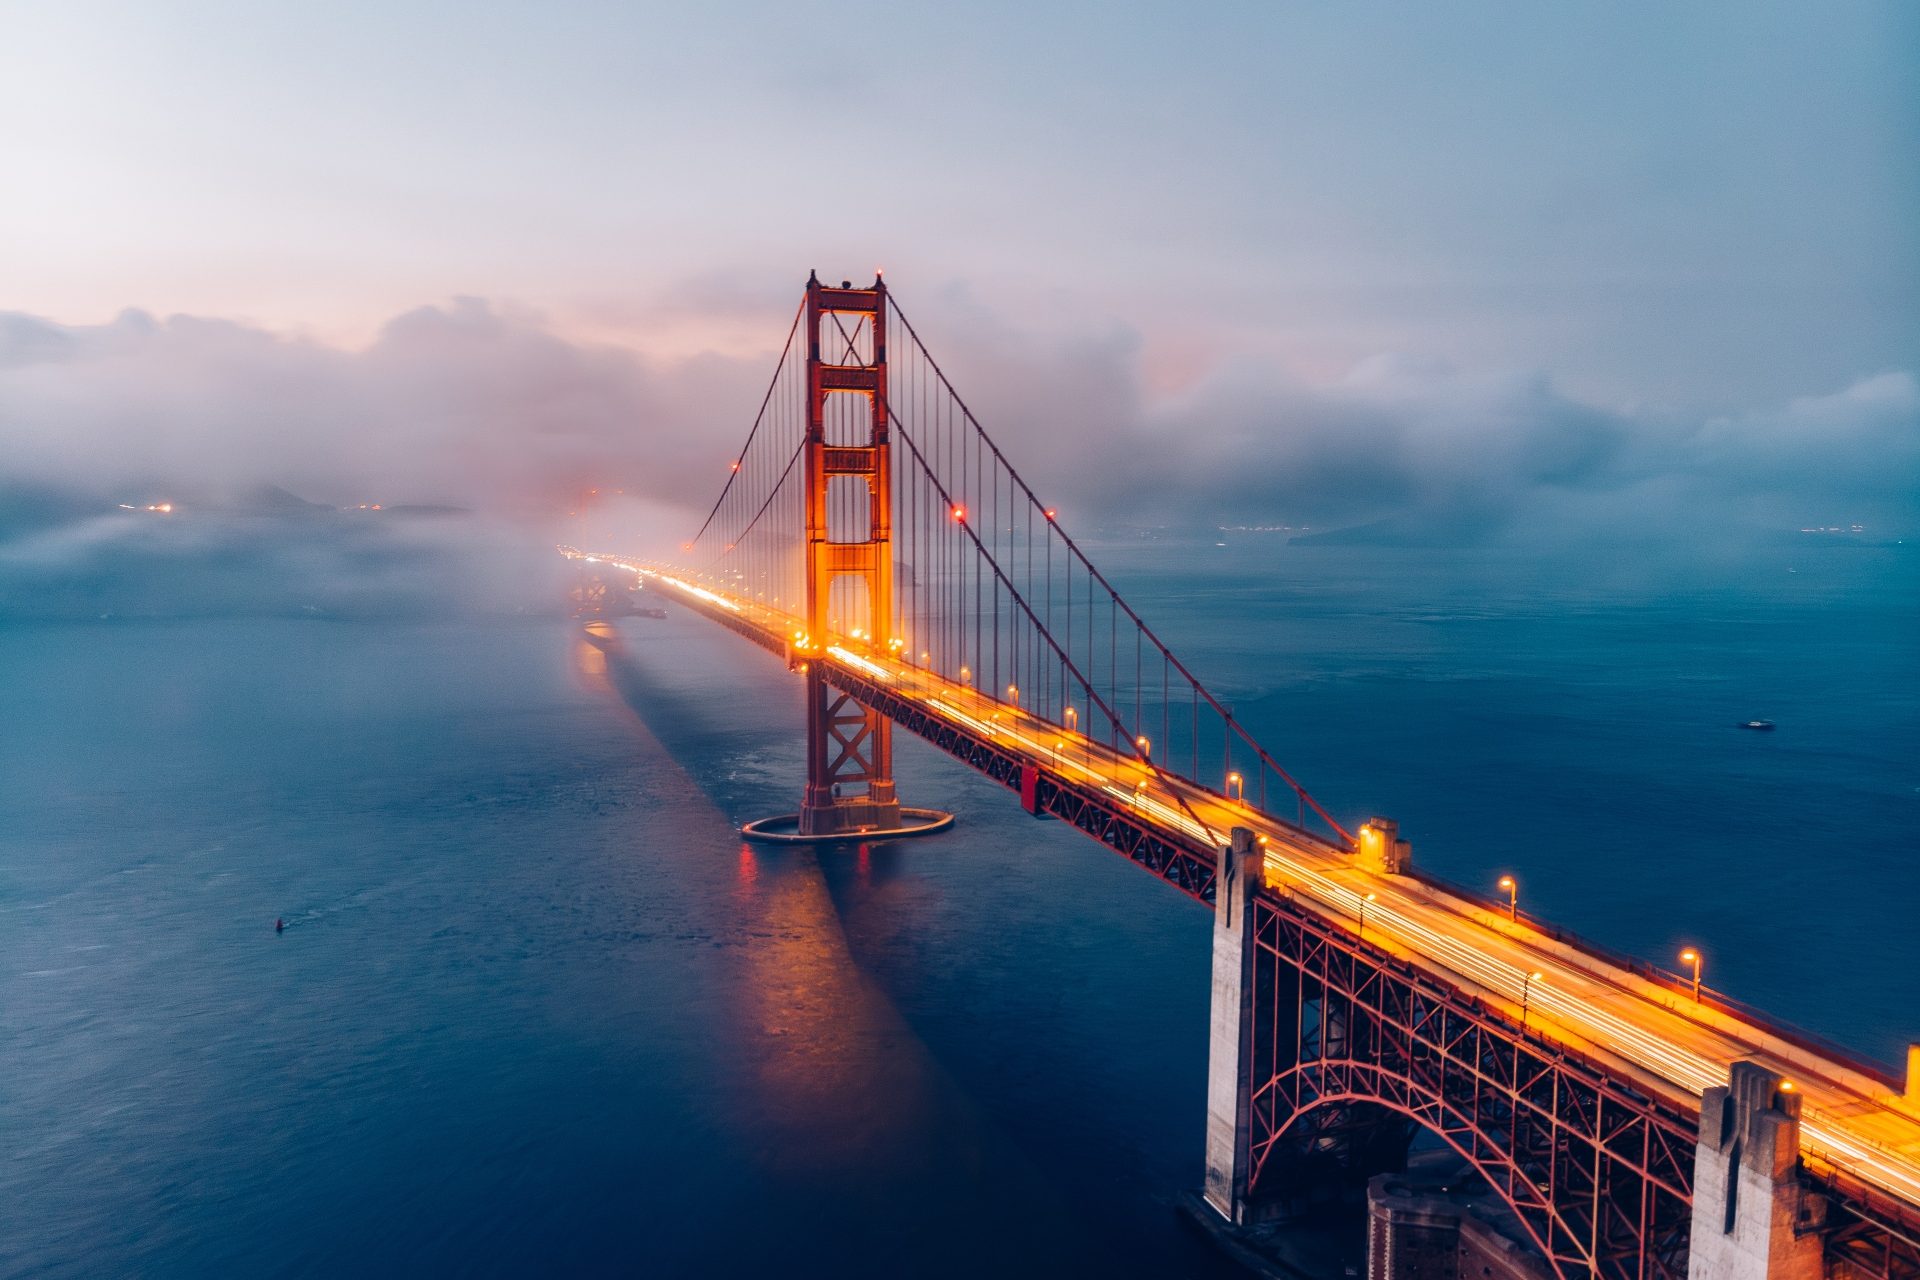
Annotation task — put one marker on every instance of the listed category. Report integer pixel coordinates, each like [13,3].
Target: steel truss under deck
[1600,1175]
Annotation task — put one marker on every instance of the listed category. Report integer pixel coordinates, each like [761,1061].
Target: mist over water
[538,1009]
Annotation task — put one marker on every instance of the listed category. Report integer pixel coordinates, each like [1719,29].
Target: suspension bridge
[871,535]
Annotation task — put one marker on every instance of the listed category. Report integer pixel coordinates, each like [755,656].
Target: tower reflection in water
[833,1077]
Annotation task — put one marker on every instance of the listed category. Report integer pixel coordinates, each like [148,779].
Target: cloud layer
[487,406]
[465,403]
[1466,453]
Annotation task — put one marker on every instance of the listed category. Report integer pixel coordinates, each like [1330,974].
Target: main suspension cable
[779,368]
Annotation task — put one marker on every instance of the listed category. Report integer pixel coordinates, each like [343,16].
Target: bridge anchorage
[873,536]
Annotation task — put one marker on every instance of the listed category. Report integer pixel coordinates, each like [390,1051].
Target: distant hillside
[1403,531]
[271,499]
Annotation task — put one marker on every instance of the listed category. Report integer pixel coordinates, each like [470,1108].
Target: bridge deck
[1855,1127]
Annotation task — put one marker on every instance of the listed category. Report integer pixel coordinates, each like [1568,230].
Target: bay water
[538,1010]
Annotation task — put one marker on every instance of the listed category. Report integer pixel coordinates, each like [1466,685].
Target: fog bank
[486,406]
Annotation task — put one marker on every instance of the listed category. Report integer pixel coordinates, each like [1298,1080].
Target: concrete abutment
[1752,1218]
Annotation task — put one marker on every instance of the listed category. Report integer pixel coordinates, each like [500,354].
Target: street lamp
[1363,914]
[1512,887]
[1236,787]
[1526,989]
[1692,956]
[1145,744]
[1073,718]
[966,675]
[1013,694]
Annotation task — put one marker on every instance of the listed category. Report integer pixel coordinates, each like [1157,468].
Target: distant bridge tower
[849,554]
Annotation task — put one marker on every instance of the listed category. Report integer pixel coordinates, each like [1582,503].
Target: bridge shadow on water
[877,1141]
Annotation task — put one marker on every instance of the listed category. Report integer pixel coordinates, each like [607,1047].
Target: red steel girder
[1599,1174]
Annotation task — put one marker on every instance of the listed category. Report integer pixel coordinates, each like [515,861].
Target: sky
[1364,256]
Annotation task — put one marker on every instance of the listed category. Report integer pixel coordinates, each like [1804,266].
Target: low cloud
[467,403]
[1471,455]
[488,407]
[1436,451]
[320,564]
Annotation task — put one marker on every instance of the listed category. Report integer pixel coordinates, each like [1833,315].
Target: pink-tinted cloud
[486,404]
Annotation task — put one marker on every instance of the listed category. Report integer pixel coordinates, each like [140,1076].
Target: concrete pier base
[1230,1042]
[1443,1222]
[1752,1220]
[790,828]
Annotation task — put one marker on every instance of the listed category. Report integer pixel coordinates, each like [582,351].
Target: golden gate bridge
[872,535]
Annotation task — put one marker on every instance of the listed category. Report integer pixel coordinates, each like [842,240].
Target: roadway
[1851,1121]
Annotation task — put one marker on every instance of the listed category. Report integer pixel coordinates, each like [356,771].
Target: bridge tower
[849,481]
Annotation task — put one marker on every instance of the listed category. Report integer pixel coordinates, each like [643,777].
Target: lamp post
[1145,744]
[1236,787]
[1526,990]
[1073,718]
[1013,694]
[1363,914]
[1512,887]
[1692,956]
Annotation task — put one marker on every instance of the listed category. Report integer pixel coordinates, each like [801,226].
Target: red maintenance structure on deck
[873,537]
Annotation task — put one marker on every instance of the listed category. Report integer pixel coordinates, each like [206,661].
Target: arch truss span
[1351,1049]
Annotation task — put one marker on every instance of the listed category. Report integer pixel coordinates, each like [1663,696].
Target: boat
[1762,726]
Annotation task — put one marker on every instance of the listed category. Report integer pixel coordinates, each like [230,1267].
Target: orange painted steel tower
[849,747]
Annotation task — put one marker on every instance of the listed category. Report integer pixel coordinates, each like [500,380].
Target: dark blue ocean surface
[538,1011]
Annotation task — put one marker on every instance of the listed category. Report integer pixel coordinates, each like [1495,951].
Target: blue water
[537,1009]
